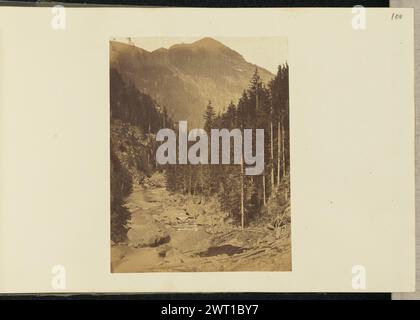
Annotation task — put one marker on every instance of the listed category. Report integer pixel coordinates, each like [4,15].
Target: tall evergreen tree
[209,117]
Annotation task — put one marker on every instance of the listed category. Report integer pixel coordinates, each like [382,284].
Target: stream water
[159,241]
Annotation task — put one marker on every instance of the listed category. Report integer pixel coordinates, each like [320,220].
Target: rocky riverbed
[172,232]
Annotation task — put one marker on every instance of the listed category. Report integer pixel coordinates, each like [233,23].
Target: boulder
[147,236]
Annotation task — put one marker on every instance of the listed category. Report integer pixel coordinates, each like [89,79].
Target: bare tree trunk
[242,194]
[190,184]
[264,195]
[272,155]
[278,152]
[154,159]
[283,151]
[148,146]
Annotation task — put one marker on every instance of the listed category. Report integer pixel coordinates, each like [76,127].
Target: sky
[266,52]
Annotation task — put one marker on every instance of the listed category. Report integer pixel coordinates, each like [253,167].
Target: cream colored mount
[416,5]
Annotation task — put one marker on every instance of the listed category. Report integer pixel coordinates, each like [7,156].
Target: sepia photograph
[199,149]
[207,154]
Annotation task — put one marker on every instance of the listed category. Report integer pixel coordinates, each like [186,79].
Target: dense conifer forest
[136,118]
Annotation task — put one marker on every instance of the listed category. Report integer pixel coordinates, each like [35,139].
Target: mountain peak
[208,43]
[186,75]
[204,43]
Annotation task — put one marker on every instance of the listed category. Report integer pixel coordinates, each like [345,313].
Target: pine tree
[243,196]
[209,117]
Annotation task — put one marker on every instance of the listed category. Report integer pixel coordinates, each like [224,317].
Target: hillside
[185,77]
